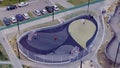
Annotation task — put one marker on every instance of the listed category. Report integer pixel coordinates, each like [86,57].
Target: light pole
[88,6]
[81,64]
[18,27]
[116,55]
[81,59]
[52,13]
[18,50]
[16,40]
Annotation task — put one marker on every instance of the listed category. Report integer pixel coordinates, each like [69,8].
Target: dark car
[11,7]
[6,21]
[50,9]
[19,17]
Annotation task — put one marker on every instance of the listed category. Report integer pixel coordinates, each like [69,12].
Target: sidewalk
[13,58]
[63,3]
[2,8]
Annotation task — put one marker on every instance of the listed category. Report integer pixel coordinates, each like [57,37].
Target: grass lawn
[3,54]
[78,2]
[1,23]
[30,14]
[5,66]
[8,2]
[61,7]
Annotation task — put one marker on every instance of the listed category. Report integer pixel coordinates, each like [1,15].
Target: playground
[60,43]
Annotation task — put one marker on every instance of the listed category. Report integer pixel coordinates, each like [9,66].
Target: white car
[13,19]
[56,7]
[26,16]
[37,12]
[44,11]
[22,4]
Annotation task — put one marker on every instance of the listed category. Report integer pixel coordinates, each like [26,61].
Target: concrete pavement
[5,62]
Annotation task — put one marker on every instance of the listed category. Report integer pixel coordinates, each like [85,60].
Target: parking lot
[33,5]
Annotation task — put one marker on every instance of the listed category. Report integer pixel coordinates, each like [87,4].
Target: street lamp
[81,64]
[52,13]
[18,50]
[116,55]
[16,40]
[88,6]
[18,27]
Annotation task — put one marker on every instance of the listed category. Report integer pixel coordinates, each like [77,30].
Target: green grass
[3,54]
[61,7]
[9,2]
[31,15]
[5,66]
[1,23]
[78,2]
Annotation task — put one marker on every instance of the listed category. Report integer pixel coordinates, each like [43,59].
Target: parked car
[13,19]
[50,9]
[37,12]
[6,21]
[11,7]
[44,11]
[26,16]
[19,17]
[22,4]
[56,7]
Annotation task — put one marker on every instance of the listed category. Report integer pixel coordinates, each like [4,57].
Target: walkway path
[115,24]
[13,58]
[63,3]
[5,62]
